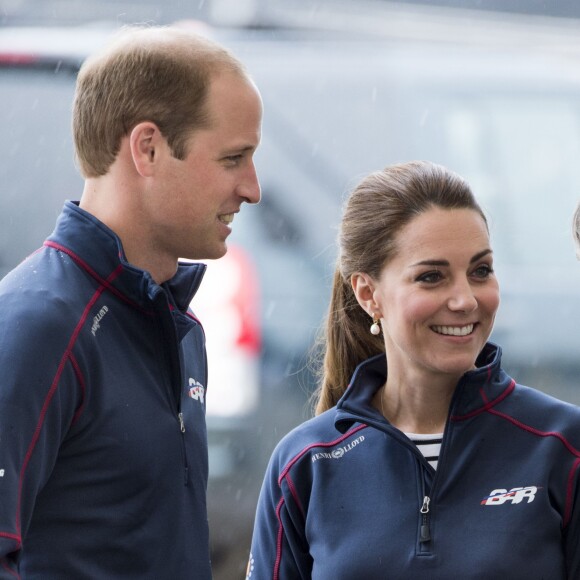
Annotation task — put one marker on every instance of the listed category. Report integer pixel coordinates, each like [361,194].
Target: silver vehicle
[504,115]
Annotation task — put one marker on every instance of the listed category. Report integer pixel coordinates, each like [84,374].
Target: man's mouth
[226,218]
[454,330]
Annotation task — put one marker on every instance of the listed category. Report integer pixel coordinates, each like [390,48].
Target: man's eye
[233,158]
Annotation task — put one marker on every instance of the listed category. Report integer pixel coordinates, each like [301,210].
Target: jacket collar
[98,250]
[476,391]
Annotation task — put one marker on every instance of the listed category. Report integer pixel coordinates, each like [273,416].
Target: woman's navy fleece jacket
[347,496]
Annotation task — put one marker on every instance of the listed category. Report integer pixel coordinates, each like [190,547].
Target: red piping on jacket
[106,283]
[283,475]
[54,386]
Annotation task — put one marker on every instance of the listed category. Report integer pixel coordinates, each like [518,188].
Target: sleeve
[571,531]
[279,548]
[38,398]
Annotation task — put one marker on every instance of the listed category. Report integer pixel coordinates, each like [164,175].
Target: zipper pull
[181,423]
[425,533]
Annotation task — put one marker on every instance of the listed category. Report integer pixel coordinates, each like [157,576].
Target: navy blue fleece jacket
[348,496]
[103,444]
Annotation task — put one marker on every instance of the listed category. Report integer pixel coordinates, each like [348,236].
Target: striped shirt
[428,445]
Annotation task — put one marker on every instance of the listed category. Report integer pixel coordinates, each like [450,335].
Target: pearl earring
[375,327]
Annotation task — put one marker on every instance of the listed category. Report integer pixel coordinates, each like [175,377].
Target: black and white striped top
[429,446]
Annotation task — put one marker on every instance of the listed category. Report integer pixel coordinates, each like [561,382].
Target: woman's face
[438,296]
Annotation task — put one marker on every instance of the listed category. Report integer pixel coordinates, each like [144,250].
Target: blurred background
[489,88]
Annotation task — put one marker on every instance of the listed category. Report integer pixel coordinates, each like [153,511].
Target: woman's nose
[463,298]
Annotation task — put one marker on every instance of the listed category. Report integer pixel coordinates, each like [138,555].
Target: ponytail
[348,343]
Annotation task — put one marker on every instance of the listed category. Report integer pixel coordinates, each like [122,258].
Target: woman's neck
[416,405]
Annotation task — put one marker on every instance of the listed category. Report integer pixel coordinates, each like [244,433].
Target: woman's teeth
[454,330]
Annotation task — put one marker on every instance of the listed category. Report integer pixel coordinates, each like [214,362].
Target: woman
[429,462]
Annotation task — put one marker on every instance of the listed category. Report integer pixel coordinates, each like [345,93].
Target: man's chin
[222,252]
[216,253]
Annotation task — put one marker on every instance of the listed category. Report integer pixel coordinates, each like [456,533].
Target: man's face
[201,194]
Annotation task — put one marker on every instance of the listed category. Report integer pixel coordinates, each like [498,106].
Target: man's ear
[145,141]
[364,290]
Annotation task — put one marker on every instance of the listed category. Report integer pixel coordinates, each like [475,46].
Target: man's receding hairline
[127,36]
[169,40]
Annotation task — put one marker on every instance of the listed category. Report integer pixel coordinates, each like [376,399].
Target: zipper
[425,531]
[167,327]
[183,448]
[424,510]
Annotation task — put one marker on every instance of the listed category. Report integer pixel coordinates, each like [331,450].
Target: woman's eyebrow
[435,262]
[480,255]
[432,263]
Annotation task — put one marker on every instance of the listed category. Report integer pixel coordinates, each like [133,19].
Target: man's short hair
[156,74]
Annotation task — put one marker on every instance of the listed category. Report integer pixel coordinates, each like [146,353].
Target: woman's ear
[144,142]
[364,290]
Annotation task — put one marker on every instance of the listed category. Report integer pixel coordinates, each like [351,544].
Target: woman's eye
[430,277]
[483,271]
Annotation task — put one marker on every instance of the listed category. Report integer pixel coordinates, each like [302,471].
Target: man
[103,446]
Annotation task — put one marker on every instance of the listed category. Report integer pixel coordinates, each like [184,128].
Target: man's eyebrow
[475,258]
[240,149]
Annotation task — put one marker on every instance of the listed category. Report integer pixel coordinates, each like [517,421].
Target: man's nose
[250,188]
